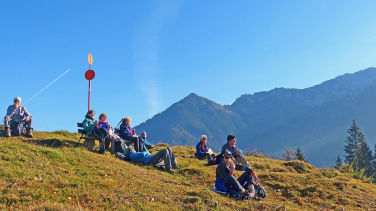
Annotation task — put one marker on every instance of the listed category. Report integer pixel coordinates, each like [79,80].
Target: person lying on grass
[243,187]
[164,155]
[92,129]
[126,133]
[202,149]
[236,154]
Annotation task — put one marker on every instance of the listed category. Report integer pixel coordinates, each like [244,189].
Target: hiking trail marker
[89,75]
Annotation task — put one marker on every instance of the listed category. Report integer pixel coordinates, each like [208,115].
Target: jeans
[165,155]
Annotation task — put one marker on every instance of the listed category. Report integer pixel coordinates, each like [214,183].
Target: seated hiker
[243,187]
[92,128]
[202,149]
[130,135]
[236,153]
[17,118]
[145,157]
[146,143]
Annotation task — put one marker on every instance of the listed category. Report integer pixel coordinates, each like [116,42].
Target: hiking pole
[119,123]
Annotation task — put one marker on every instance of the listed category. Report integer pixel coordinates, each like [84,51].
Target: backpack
[260,191]
[99,133]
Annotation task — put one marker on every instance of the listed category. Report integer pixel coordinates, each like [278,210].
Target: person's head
[17,101]
[227,157]
[103,117]
[127,121]
[143,134]
[231,140]
[203,138]
[90,114]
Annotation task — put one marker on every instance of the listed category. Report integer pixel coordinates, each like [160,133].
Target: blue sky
[150,54]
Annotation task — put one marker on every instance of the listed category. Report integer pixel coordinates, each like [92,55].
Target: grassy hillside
[49,171]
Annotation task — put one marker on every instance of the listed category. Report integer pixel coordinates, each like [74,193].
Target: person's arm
[222,172]
[26,113]
[10,111]
[88,126]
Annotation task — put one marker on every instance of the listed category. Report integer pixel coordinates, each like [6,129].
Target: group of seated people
[126,145]
[17,118]
[229,160]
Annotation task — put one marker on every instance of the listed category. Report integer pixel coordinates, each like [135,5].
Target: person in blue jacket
[227,182]
[126,133]
[202,149]
[165,155]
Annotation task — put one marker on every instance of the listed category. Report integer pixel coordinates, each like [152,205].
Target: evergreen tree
[299,155]
[338,163]
[352,142]
[364,158]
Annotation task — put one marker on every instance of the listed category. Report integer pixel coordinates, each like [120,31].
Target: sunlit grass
[50,171]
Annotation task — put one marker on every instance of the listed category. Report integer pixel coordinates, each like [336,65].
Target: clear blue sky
[150,54]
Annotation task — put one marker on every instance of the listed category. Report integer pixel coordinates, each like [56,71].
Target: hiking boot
[7,132]
[170,171]
[101,151]
[29,133]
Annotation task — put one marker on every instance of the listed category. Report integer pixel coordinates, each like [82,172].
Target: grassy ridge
[49,171]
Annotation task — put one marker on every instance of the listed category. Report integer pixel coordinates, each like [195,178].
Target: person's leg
[245,180]
[7,123]
[162,155]
[172,158]
[241,160]
[29,127]
[234,184]
[101,146]
[117,144]
[158,158]
[136,143]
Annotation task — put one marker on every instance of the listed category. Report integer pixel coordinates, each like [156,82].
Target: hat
[17,99]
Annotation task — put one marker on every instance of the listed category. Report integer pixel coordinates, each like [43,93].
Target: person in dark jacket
[237,156]
[227,182]
[126,133]
[202,149]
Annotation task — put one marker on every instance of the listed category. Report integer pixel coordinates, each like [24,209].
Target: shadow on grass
[54,143]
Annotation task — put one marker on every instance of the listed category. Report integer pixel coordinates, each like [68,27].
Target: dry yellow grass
[50,171]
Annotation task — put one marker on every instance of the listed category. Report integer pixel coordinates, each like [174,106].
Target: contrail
[45,87]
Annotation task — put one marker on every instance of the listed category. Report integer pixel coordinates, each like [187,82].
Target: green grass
[50,171]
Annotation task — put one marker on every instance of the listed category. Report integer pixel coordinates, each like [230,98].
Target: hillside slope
[51,172]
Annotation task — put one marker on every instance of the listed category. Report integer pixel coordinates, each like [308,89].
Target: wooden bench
[89,140]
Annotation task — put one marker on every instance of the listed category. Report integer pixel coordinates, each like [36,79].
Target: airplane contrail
[49,84]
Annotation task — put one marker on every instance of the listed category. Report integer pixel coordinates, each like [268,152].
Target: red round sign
[90,74]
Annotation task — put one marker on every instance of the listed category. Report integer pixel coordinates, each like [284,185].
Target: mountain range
[315,119]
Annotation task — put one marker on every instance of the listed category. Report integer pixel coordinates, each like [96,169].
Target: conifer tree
[299,155]
[352,142]
[338,163]
[364,158]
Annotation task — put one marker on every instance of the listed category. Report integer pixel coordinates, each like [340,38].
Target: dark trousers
[165,155]
[244,182]
[138,143]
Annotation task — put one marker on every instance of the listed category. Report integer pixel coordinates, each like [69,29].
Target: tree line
[358,156]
